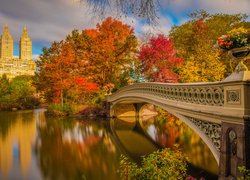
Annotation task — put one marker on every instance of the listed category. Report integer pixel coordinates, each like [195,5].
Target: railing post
[235,136]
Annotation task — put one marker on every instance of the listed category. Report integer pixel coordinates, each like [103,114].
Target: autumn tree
[202,62]
[72,70]
[80,45]
[159,61]
[196,39]
[54,71]
[81,90]
[58,74]
[112,52]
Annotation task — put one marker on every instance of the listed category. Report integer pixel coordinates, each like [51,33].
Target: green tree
[4,85]
[22,91]
[4,92]
[18,92]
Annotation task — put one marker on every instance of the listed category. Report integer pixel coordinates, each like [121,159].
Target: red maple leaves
[159,61]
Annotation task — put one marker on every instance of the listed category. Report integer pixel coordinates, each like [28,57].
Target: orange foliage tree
[73,69]
[58,76]
[112,52]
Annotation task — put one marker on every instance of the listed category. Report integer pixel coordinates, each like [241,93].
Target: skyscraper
[6,44]
[11,66]
[25,46]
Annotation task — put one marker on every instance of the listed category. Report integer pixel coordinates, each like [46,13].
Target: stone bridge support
[235,134]
[235,149]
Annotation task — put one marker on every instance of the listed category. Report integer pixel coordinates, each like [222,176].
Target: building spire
[25,45]
[25,28]
[6,28]
[25,32]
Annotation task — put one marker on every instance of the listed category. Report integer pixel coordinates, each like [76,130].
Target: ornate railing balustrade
[196,93]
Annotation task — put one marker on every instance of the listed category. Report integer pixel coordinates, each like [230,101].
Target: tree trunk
[61,98]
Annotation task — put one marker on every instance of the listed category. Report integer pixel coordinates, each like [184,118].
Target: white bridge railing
[196,93]
[226,99]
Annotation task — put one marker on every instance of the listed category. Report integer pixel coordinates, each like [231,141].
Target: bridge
[219,112]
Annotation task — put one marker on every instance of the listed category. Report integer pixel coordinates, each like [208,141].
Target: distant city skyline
[36,49]
[49,21]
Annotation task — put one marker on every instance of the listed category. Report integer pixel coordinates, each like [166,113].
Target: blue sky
[52,20]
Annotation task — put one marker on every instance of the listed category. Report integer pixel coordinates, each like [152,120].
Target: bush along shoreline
[56,110]
[18,93]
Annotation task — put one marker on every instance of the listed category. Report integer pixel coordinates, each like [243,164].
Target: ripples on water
[35,147]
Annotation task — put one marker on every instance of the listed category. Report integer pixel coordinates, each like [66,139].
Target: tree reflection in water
[168,130]
[76,151]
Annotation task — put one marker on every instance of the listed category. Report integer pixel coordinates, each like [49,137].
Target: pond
[33,146]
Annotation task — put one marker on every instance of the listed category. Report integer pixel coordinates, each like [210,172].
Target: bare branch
[144,9]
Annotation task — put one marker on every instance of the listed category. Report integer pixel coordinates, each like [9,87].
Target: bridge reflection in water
[141,136]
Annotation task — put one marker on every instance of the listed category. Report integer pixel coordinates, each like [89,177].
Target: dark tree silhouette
[145,9]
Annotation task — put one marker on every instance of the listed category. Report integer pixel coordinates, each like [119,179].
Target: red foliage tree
[159,61]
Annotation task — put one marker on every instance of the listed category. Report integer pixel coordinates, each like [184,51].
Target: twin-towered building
[10,65]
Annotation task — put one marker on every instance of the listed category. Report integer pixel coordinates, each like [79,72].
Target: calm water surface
[37,148]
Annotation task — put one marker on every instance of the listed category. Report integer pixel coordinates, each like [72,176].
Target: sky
[53,20]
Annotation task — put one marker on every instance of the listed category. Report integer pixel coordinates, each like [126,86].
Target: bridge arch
[183,118]
[210,109]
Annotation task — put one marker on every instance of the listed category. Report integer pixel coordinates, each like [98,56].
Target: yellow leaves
[203,68]
[239,30]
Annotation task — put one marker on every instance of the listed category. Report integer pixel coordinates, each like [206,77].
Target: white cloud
[162,27]
[212,6]
[226,6]
[46,20]
[49,20]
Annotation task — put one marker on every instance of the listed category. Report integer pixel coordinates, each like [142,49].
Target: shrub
[58,110]
[246,173]
[164,164]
